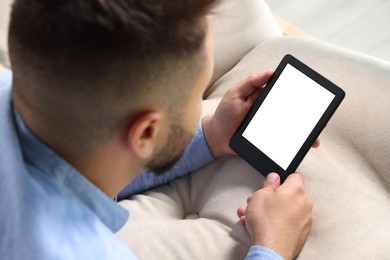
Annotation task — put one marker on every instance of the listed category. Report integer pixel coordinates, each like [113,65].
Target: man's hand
[235,104]
[279,217]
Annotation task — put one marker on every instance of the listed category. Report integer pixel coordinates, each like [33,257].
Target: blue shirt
[48,210]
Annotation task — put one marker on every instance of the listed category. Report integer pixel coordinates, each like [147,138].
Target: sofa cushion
[192,217]
[5,9]
[347,177]
[237,27]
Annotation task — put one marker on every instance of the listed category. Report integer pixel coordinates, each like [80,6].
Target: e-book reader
[286,118]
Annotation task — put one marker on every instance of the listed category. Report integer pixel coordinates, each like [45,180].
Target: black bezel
[256,157]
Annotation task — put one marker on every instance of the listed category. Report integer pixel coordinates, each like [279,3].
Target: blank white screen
[286,117]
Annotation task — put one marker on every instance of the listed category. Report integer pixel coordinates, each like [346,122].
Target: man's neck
[109,169]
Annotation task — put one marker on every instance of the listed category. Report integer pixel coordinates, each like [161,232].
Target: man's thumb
[272,180]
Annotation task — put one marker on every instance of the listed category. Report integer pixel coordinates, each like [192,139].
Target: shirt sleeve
[196,155]
[262,253]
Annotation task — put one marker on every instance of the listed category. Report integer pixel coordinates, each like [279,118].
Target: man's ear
[144,134]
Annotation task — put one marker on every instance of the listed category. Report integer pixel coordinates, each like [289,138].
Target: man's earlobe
[143,133]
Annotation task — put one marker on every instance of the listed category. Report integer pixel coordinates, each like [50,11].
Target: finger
[241,211]
[316,143]
[294,179]
[272,180]
[242,220]
[252,83]
[241,214]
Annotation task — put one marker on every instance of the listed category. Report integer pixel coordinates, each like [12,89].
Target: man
[101,92]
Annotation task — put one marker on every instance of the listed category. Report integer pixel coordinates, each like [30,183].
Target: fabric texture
[261,253]
[5,9]
[237,27]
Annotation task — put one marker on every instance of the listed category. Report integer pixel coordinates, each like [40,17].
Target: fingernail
[272,178]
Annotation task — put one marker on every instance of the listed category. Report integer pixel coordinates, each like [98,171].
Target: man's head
[87,72]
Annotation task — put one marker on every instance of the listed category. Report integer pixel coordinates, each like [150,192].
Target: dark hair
[130,26]
[105,50]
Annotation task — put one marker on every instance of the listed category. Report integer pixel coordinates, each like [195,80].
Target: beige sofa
[348,177]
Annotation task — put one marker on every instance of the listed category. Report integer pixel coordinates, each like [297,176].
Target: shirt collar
[49,163]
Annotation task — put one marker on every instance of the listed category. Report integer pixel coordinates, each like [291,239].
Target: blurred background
[361,25]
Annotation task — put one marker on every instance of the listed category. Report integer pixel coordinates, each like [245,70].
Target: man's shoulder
[45,221]
[5,96]
[40,218]
[5,81]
